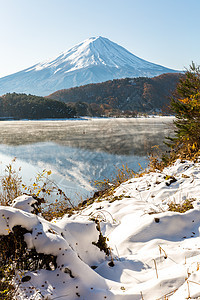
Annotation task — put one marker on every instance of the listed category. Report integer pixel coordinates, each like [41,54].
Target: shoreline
[87,118]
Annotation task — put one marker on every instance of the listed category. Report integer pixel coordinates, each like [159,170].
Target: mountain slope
[135,94]
[97,59]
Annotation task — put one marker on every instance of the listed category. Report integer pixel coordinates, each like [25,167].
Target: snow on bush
[155,252]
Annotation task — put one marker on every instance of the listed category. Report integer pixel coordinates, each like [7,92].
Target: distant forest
[127,96]
[120,97]
[22,106]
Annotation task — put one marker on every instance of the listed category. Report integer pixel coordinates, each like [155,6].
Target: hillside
[130,94]
[22,106]
[96,59]
[141,242]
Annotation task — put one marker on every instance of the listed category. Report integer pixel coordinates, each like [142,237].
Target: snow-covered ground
[155,252]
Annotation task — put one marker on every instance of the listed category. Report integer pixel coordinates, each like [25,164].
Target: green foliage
[22,106]
[186,106]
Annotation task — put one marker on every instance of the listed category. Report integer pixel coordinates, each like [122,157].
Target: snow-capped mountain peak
[96,59]
[93,51]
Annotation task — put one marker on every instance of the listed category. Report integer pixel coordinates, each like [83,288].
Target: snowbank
[156,252]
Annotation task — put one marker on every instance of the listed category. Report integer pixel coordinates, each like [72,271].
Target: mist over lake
[80,151]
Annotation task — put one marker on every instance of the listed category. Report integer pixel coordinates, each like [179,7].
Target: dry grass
[11,183]
[181,207]
[107,186]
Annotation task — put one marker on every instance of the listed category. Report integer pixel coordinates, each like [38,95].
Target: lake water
[80,151]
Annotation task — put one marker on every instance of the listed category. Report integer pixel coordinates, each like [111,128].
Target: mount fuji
[96,59]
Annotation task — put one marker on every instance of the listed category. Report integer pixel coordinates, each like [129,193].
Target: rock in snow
[96,59]
[156,252]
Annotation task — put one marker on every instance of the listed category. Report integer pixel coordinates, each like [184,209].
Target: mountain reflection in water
[81,151]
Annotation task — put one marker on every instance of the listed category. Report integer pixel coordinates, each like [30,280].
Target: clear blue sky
[165,32]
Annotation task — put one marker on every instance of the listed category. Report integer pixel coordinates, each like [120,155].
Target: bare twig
[156,268]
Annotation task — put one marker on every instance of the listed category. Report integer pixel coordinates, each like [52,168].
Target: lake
[80,151]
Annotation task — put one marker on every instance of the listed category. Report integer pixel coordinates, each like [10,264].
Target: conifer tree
[186,105]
